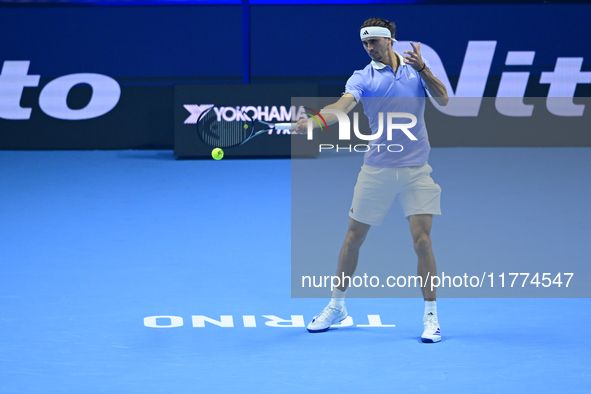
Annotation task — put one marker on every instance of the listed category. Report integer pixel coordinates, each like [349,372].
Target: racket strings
[223,134]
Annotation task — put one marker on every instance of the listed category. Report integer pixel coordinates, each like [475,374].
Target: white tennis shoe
[432,331]
[326,318]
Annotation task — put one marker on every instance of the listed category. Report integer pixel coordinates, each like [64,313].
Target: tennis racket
[225,134]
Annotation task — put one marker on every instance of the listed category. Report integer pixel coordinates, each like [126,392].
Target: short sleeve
[355,86]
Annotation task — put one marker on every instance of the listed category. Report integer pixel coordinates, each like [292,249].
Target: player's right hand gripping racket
[224,134]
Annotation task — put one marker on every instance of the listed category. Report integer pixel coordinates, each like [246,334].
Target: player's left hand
[414,58]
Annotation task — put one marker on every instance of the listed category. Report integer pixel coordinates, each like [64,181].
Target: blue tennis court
[133,272]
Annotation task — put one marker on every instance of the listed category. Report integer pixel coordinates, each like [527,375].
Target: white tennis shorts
[377,188]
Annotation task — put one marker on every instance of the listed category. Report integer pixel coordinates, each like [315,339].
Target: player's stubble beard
[383,53]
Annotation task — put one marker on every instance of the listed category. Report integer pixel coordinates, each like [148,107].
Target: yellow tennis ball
[217,154]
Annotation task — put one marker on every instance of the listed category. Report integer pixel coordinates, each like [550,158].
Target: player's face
[376,47]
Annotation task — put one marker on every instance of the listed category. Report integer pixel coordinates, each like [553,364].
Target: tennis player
[385,175]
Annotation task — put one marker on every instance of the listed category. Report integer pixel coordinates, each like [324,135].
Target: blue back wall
[162,43]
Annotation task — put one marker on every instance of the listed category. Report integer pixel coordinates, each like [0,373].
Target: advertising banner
[238,105]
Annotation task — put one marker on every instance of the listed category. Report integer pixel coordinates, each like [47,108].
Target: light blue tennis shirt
[382,90]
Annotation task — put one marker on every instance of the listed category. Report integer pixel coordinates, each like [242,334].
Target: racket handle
[283,126]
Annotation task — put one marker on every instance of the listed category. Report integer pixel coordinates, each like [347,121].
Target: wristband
[424,64]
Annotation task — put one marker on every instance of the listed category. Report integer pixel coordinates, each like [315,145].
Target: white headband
[375,31]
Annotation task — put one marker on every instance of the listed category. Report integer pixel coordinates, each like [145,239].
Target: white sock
[430,309]
[338,299]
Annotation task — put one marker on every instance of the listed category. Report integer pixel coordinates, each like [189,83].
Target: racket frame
[267,126]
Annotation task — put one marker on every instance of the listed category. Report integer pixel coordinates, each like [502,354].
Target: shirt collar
[379,65]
